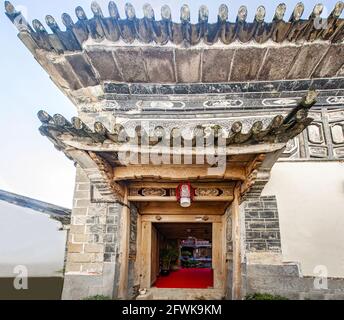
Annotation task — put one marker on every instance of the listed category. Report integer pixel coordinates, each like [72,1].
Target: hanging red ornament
[185,194]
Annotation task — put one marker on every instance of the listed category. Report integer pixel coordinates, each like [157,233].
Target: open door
[184,251]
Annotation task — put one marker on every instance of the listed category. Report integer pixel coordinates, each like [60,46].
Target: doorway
[210,228]
[182,256]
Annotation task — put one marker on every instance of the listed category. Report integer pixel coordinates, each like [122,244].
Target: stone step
[183,294]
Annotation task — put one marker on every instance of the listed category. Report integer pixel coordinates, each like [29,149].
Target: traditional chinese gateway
[179,127]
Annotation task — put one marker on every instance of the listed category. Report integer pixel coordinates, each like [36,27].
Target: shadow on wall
[39,289]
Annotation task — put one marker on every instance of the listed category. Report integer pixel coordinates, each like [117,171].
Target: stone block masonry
[264,270]
[93,244]
[287,281]
[262,225]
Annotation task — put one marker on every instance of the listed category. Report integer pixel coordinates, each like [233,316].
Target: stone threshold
[183,294]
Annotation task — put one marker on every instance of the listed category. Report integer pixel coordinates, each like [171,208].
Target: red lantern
[185,194]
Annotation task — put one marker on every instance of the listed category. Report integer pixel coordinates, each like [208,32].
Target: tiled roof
[56,212]
[280,130]
[149,30]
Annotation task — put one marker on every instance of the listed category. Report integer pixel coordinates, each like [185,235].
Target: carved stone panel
[318,152]
[337,132]
[322,140]
[317,140]
[316,133]
[292,149]
[339,153]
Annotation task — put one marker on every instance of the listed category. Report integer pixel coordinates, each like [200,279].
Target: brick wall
[92,266]
[93,236]
[262,224]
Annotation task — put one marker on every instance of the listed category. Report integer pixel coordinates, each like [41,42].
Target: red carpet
[187,278]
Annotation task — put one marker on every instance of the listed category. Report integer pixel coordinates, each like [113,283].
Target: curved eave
[184,33]
[75,134]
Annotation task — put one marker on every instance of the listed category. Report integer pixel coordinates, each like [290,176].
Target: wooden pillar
[124,249]
[236,234]
[146,251]
[218,255]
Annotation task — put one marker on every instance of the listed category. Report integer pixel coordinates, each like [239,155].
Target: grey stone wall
[287,281]
[133,287]
[263,270]
[93,244]
[262,224]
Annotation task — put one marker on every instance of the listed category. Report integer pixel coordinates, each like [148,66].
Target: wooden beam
[115,147]
[174,185]
[124,249]
[173,199]
[173,208]
[180,219]
[146,255]
[176,173]
[236,234]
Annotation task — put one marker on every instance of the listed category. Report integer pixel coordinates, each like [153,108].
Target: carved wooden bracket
[99,172]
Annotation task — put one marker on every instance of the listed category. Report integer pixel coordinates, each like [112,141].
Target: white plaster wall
[31,239]
[310,199]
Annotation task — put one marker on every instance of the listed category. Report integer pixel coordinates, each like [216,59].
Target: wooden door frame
[143,266]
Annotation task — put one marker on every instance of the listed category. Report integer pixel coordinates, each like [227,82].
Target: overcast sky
[29,164]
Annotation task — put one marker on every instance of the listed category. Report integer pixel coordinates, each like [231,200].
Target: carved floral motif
[154,192]
[205,192]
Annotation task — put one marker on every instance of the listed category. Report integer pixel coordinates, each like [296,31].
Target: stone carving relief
[292,149]
[223,103]
[316,140]
[337,132]
[316,133]
[336,123]
[280,102]
[163,105]
[323,139]
[335,100]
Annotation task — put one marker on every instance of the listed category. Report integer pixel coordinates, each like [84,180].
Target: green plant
[99,297]
[190,263]
[186,254]
[168,257]
[174,255]
[264,296]
[165,257]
